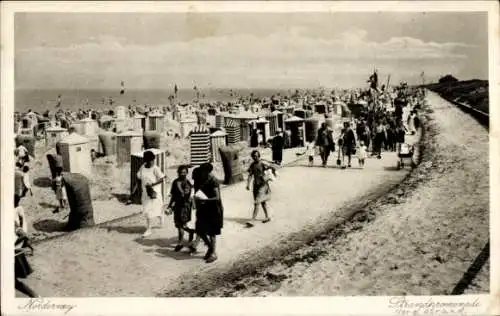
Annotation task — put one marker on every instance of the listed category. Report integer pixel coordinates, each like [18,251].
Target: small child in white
[310,152]
[362,154]
[60,190]
[27,180]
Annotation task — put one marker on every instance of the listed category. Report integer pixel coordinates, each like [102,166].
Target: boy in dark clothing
[348,143]
[390,143]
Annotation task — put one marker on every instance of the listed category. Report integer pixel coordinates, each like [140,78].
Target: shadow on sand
[43,182]
[239,220]
[181,255]
[330,166]
[122,198]
[48,205]
[50,226]
[392,168]
[164,247]
[126,229]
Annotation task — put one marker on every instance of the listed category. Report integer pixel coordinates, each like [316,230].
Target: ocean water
[41,100]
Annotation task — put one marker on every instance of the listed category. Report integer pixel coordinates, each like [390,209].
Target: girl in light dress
[411,123]
[60,190]
[362,154]
[310,152]
[151,178]
[261,188]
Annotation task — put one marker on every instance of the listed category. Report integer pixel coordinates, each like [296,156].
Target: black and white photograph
[250,150]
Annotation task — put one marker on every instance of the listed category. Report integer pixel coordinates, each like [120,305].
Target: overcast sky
[244,50]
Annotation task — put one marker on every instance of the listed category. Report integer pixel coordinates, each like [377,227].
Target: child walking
[362,154]
[59,189]
[310,151]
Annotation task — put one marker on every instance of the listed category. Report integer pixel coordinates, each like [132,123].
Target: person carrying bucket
[325,143]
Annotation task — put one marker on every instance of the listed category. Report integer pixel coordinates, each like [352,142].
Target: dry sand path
[111,181]
[115,261]
[420,247]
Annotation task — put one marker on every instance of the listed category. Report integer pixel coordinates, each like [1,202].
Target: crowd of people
[375,130]
[203,196]
[378,128]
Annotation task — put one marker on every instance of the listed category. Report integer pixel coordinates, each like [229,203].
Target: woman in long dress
[209,209]
[181,204]
[151,178]
[277,147]
[261,188]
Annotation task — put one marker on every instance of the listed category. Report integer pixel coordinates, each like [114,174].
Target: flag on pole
[175,89]
[122,91]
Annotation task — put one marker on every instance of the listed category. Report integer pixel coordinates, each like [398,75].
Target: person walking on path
[261,189]
[209,209]
[411,123]
[59,189]
[151,178]
[400,133]
[278,144]
[416,120]
[325,143]
[363,132]
[310,151]
[348,144]
[398,110]
[362,154]
[380,137]
[181,204]
[390,142]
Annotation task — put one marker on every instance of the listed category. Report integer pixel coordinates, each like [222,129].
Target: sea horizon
[40,99]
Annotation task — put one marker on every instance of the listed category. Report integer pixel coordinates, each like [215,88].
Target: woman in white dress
[151,178]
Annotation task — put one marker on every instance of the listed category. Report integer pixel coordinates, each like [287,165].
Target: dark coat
[277,147]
